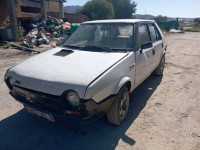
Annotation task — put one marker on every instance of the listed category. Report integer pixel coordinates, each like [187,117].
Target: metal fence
[168,25]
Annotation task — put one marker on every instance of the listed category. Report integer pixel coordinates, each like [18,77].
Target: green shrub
[20,31]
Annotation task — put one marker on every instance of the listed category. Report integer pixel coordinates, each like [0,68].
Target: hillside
[147,16]
[140,16]
[71,9]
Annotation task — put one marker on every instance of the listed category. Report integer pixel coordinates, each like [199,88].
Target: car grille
[38,98]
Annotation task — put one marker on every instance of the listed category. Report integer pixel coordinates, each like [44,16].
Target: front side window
[110,35]
[143,35]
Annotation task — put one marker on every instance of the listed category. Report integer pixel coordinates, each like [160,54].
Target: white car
[92,74]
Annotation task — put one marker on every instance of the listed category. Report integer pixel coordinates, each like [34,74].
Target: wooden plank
[24,48]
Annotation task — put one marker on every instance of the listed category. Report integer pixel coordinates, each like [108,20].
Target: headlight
[11,80]
[73,99]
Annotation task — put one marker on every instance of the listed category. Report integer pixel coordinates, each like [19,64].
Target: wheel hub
[124,106]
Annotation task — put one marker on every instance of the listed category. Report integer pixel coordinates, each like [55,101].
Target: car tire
[119,108]
[159,70]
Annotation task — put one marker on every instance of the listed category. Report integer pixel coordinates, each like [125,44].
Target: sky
[170,8]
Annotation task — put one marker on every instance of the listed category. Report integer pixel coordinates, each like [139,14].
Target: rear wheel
[119,108]
[159,70]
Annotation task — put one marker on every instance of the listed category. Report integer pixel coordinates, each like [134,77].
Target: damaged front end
[54,107]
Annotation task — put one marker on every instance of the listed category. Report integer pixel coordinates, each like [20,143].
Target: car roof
[120,21]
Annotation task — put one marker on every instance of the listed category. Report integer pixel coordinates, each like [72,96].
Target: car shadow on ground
[25,131]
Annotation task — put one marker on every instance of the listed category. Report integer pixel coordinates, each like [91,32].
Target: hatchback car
[92,73]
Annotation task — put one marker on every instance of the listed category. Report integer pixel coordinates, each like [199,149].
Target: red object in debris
[21,40]
[73,112]
[48,34]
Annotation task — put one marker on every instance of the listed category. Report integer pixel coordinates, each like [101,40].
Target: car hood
[54,74]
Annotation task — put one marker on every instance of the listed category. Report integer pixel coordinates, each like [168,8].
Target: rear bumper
[89,111]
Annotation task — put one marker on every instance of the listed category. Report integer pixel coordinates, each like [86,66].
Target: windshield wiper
[100,48]
[107,49]
[122,49]
[72,46]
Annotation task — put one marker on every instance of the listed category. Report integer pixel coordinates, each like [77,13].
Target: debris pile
[45,33]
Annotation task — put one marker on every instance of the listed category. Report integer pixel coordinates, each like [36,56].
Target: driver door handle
[153,51]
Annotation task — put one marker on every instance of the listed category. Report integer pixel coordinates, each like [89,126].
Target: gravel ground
[164,111]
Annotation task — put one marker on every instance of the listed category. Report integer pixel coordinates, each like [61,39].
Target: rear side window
[158,36]
[153,33]
[143,35]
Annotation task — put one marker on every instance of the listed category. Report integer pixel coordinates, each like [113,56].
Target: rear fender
[163,53]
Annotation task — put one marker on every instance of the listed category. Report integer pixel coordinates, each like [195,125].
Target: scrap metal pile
[45,33]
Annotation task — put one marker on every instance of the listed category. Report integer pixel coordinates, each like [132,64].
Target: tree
[160,18]
[97,9]
[124,9]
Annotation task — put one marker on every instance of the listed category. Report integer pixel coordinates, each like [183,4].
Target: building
[12,10]
[33,8]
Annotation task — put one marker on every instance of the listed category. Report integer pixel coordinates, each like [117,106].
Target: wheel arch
[125,81]
[164,52]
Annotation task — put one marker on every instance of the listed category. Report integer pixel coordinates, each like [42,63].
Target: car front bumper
[88,111]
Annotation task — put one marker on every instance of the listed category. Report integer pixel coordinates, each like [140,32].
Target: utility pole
[61,10]
[13,19]
[43,9]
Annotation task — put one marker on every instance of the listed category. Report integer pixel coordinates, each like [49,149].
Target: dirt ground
[164,111]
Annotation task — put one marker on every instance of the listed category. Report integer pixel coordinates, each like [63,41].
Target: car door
[157,44]
[144,57]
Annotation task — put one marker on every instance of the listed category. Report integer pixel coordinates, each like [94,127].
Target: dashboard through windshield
[105,36]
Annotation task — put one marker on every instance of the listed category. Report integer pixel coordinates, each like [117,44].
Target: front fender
[112,80]
[121,83]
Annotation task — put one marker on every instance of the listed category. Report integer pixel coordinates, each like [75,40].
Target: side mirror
[145,46]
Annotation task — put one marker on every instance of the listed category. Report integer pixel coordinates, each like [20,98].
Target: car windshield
[104,36]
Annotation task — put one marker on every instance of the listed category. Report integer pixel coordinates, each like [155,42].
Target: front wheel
[119,108]
[159,70]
